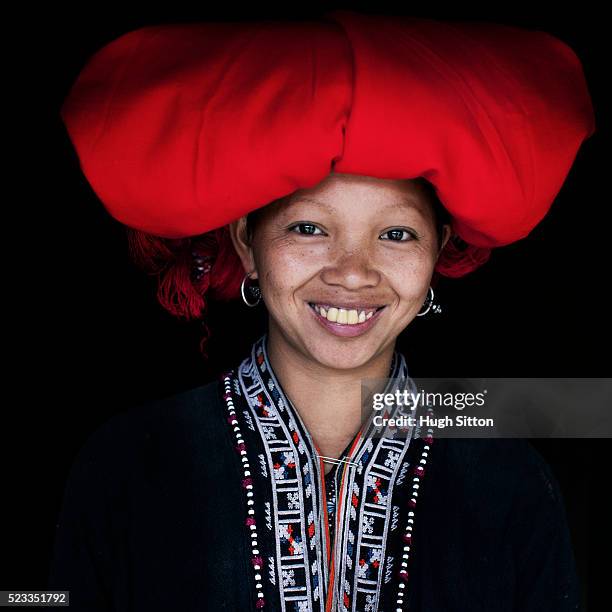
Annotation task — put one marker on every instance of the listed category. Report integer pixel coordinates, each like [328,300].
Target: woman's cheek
[413,265]
[280,285]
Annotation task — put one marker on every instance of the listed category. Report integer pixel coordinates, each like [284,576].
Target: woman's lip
[344,330]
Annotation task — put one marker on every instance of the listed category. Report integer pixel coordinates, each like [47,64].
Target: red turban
[182,128]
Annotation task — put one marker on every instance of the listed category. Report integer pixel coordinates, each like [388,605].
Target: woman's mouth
[346,322]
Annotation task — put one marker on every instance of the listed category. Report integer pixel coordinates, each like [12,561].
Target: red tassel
[171,260]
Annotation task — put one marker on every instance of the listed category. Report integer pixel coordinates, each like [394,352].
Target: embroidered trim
[294,499]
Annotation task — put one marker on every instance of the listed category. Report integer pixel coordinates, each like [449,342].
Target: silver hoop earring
[253,289]
[429,304]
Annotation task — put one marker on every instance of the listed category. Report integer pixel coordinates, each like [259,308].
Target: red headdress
[182,128]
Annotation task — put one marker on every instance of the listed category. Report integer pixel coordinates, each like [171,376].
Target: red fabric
[182,128]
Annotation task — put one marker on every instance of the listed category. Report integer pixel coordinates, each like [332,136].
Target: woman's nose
[352,269]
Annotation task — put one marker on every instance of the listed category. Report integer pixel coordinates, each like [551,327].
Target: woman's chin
[341,354]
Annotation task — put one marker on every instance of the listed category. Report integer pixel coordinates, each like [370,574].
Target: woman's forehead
[361,194]
[336,206]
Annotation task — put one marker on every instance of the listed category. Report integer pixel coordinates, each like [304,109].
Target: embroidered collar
[286,501]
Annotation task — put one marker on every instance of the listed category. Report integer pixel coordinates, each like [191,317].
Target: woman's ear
[242,244]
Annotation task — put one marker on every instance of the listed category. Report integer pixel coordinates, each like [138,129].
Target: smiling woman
[290,180]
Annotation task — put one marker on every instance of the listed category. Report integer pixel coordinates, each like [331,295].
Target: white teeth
[343,316]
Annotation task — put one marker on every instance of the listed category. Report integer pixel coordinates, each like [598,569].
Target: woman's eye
[396,235]
[310,228]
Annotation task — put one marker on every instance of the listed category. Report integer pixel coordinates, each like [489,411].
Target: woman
[390,149]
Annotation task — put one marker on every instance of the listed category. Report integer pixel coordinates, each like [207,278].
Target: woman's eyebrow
[407,202]
[306,199]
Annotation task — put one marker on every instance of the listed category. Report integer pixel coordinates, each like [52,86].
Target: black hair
[441,215]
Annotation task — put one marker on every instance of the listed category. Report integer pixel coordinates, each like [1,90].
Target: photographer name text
[428,421]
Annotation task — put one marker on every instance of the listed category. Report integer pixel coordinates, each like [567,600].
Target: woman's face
[351,243]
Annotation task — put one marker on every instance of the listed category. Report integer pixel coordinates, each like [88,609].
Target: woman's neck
[328,400]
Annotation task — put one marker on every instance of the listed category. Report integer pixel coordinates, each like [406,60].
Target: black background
[85,337]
